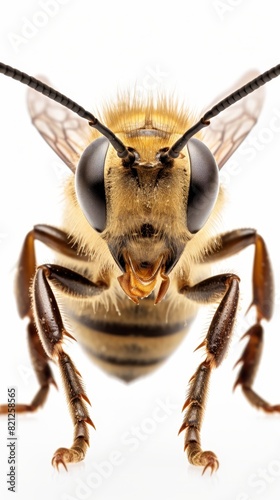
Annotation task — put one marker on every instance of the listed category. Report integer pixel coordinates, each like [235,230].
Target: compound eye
[90,187]
[204,185]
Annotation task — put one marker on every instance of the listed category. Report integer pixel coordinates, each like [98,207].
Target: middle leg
[263,299]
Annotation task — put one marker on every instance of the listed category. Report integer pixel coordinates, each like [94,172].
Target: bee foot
[209,459]
[63,456]
[206,459]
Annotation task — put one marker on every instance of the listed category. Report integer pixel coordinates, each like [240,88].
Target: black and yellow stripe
[129,345]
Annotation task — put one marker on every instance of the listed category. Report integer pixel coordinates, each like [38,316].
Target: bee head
[131,202]
[203,183]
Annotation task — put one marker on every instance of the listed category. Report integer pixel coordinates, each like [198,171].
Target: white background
[90,50]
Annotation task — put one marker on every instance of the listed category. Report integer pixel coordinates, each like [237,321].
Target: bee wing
[229,130]
[66,133]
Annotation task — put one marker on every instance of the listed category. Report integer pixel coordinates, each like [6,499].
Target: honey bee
[139,230]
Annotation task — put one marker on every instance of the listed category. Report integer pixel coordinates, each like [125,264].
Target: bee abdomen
[128,351]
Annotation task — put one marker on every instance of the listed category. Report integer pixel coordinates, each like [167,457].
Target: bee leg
[263,301]
[56,239]
[263,292]
[42,370]
[52,332]
[216,342]
[250,361]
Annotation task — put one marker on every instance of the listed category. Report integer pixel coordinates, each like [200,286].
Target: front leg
[226,287]
[52,332]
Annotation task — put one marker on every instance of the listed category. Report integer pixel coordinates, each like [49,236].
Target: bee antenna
[53,94]
[251,86]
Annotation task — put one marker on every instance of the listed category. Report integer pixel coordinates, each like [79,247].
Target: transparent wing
[228,130]
[66,133]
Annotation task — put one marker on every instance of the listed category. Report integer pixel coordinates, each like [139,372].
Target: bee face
[146,207]
[146,229]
